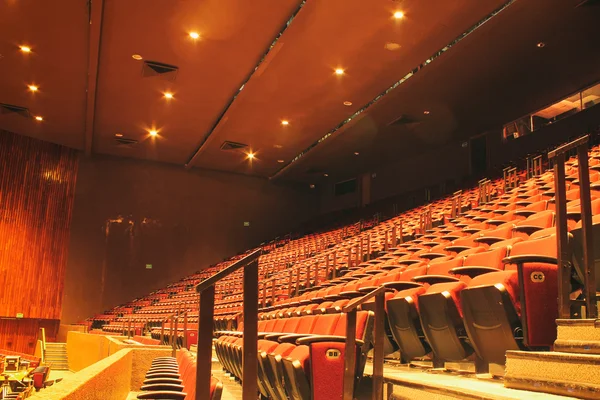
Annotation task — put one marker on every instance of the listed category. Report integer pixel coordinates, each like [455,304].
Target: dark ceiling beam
[266,58]
[359,113]
[96,10]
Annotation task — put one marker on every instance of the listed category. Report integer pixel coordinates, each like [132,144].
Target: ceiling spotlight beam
[271,51]
[96,10]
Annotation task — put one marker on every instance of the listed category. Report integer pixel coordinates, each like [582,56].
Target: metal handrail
[378,335]
[206,288]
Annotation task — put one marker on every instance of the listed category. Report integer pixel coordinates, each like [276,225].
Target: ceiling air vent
[155,68]
[403,120]
[226,146]
[9,109]
[125,142]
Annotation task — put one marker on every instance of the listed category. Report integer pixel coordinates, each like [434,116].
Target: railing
[42,335]
[510,178]
[350,346]
[206,288]
[559,156]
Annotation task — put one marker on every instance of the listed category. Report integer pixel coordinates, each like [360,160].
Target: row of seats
[175,378]
[300,357]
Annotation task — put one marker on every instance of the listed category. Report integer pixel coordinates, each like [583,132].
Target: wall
[177,220]
[21,334]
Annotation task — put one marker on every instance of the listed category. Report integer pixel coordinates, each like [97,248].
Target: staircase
[55,356]
[573,369]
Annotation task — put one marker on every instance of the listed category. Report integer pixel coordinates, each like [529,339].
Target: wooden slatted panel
[37,187]
[21,334]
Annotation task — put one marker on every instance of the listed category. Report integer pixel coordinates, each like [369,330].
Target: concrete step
[578,336]
[555,372]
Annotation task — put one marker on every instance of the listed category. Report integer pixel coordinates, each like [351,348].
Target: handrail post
[162,332]
[589,269]
[379,335]
[185,328]
[171,330]
[129,328]
[386,241]
[307,285]
[334,264]
[395,236]
[204,346]
[350,358]
[250,339]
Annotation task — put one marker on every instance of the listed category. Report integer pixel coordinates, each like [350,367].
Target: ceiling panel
[299,83]
[490,78]
[234,34]
[57,65]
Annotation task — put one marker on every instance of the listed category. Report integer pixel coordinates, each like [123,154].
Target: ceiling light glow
[136,57]
[168,95]
[33,88]
[398,15]
[347,103]
[356,153]
[153,132]
[339,71]
[285,122]
[25,49]
[194,35]
[118,135]
[391,46]
[39,118]
[280,161]
[250,155]
[426,112]
[541,44]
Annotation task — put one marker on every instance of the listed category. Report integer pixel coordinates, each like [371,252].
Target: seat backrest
[291,324]
[408,274]
[325,324]
[442,268]
[306,324]
[279,324]
[491,258]
[362,318]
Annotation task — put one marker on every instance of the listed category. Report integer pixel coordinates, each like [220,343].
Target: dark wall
[131,213]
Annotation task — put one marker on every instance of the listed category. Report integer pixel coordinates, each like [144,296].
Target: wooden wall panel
[37,186]
[21,334]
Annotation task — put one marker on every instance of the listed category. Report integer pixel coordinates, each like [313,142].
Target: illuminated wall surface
[37,186]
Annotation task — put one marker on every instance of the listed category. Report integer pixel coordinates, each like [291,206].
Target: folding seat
[440,309]
[402,311]
[498,234]
[515,308]
[315,367]
[533,223]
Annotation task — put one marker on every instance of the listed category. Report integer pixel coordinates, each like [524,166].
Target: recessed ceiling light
[39,118]
[398,15]
[541,44]
[25,49]
[426,112]
[285,122]
[118,135]
[280,161]
[348,103]
[194,35]
[250,155]
[356,153]
[325,175]
[339,71]
[168,95]
[136,57]
[278,146]
[33,88]
[392,46]
[153,132]
[312,186]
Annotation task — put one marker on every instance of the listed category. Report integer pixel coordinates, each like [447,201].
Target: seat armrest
[162,375]
[291,338]
[401,285]
[162,386]
[373,272]
[527,229]
[407,262]
[528,258]
[163,380]
[163,395]
[524,213]
[324,338]
[274,336]
[472,271]
[489,240]
[471,230]
[433,279]
[367,289]
[431,256]
[458,249]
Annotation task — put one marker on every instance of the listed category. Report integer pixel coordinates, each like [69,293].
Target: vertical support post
[378,355]
[349,257]
[316,282]
[129,328]
[564,265]
[264,294]
[307,285]
[350,355]
[589,269]
[175,334]
[204,347]
[327,268]
[297,280]
[291,271]
[368,246]
[334,265]
[171,329]
[162,332]
[250,354]
[386,241]
[395,236]
[272,292]
[185,328]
